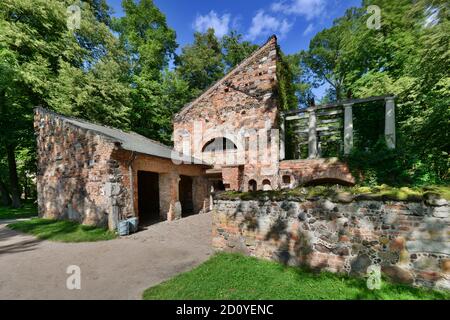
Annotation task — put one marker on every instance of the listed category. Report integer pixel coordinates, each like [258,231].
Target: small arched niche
[252,186]
[267,186]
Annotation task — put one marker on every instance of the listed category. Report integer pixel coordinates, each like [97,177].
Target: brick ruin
[87,174]
[235,125]
[230,138]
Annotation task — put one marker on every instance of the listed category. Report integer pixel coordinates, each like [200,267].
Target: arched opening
[266,185]
[286,179]
[252,186]
[328,182]
[219,144]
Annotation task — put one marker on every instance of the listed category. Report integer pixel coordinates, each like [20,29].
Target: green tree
[150,44]
[201,64]
[38,57]
[408,57]
[235,50]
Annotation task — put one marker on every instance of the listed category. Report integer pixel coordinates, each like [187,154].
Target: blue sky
[295,22]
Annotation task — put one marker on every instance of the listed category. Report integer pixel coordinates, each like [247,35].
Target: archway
[267,186]
[252,186]
[219,144]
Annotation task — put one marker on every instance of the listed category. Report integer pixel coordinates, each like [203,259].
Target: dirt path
[116,269]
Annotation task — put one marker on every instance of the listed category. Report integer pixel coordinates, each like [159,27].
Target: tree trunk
[13,177]
[6,199]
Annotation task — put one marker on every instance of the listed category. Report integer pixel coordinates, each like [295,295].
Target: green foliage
[62,231]
[286,92]
[235,277]
[409,57]
[201,64]
[146,37]
[44,63]
[379,165]
[235,50]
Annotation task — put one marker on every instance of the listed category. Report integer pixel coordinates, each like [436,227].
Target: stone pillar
[168,196]
[348,128]
[389,128]
[282,137]
[312,139]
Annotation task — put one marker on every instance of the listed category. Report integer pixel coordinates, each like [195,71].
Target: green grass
[62,231]
[28,210]
[230,277]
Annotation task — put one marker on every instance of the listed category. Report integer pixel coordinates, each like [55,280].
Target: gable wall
[230,106]
[77,177]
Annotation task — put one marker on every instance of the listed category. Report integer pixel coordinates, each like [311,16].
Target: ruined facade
[237,126]
[229,138]
[236,111]
[98,175]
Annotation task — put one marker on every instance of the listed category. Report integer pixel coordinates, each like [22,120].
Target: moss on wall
[345,194]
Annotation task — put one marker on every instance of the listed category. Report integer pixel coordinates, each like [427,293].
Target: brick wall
[85,177]
[409,240]
[244,100]
[304,171]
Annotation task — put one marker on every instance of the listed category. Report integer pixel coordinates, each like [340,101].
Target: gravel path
[116,269]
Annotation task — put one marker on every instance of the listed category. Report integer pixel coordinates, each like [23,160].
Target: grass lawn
[62,231]
[229,276]
[28,210]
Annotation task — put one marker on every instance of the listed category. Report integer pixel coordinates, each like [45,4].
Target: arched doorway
[267,186]
[252,186]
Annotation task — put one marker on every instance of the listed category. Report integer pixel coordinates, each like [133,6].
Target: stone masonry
[410,241]
[87,176]
[244,102]
[243,107]
[78,178]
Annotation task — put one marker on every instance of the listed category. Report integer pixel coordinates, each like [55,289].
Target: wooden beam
[330,113]
[320,129]
[342,103]
[298,117]
[329,121]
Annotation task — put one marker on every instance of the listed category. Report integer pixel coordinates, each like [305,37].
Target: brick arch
[209,138]
[225,144]
[319,171]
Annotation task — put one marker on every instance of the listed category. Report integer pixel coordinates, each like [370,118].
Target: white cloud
[221,25]
[307,8]
[309,29]
[265,25]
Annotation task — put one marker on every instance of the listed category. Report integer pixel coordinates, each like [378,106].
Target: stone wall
[78,178]
[411,241]
[87,177]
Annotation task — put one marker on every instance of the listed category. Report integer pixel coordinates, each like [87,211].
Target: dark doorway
[252,186]
[185,192]
[218,185]
[148,197]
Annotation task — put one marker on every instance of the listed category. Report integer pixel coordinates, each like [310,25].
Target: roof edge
[115,140]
